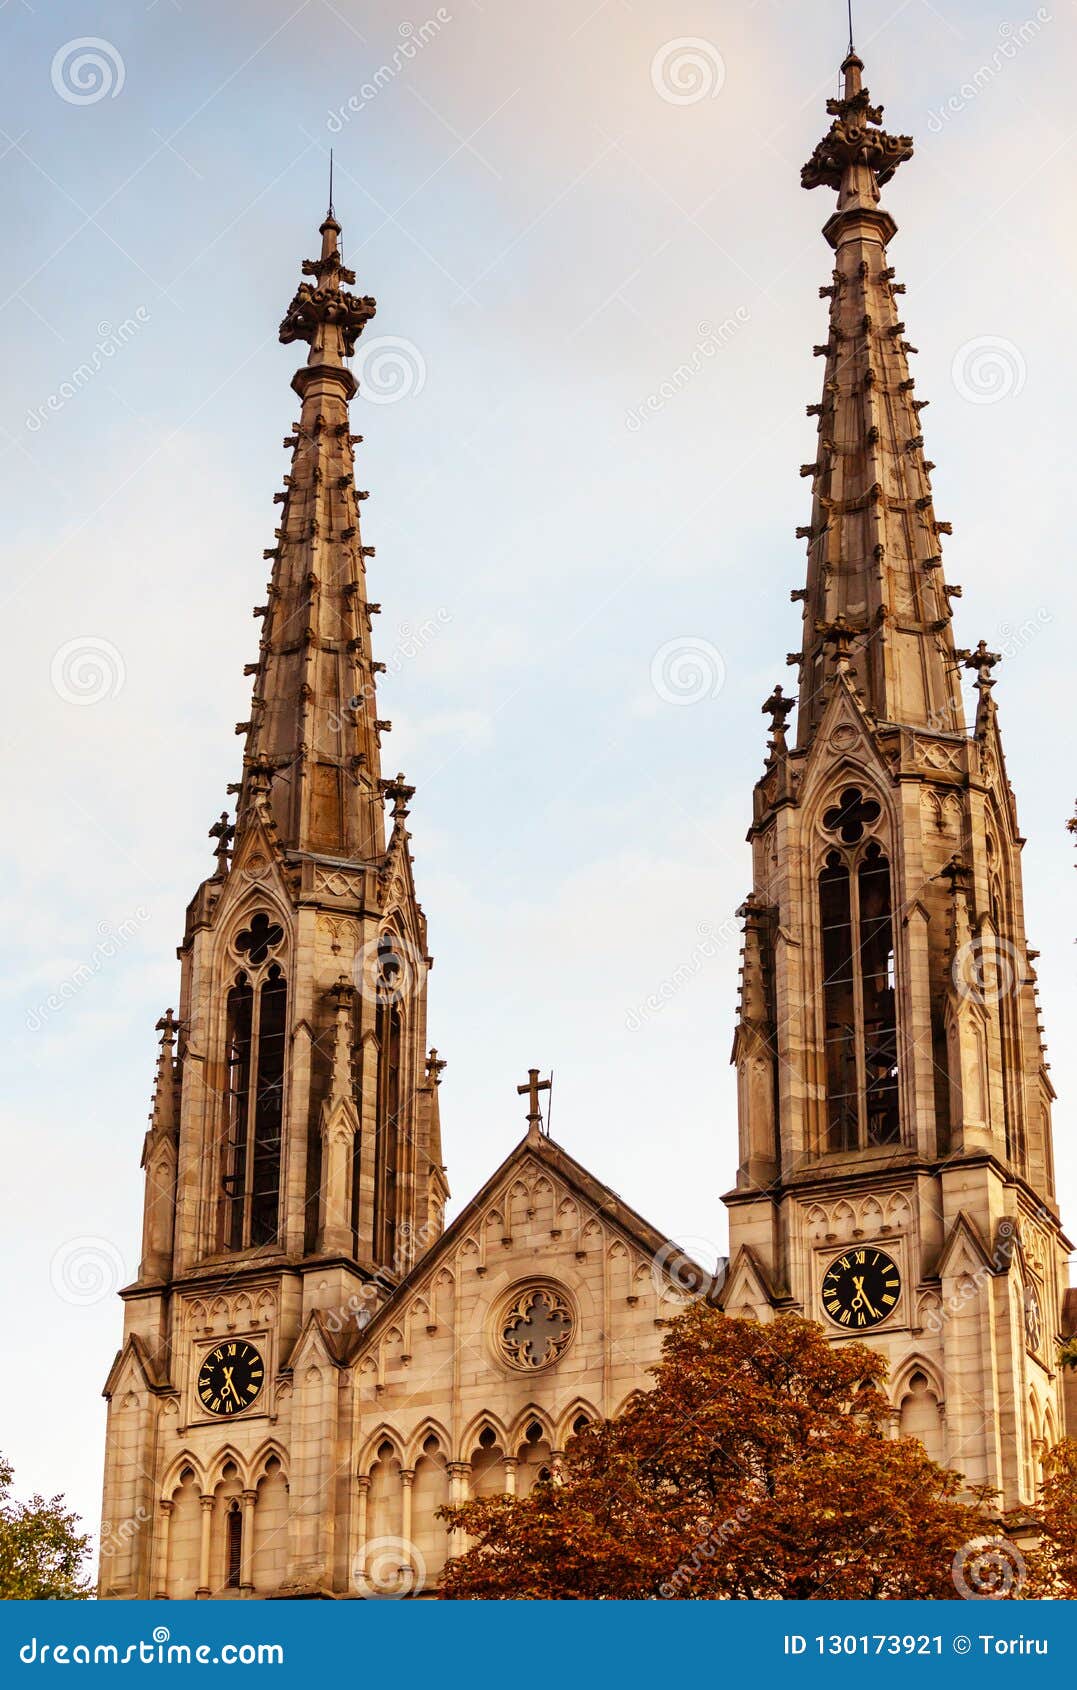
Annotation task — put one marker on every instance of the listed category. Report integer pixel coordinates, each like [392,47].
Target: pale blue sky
[553,238]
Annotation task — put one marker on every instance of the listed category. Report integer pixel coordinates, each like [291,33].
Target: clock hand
[862,1298]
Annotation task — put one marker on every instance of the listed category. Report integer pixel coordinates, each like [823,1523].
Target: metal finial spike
[331,168]
[852,49]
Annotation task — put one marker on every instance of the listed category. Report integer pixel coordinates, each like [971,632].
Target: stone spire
[875,605]
[313,737]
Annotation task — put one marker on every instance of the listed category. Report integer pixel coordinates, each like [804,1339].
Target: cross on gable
[851,815]
[778,707]
[983,661]
[532,1088]
[223,832]
[839,635]
[537,1330]
[259,938]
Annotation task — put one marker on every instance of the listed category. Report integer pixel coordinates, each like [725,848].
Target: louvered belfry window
[255,1062]
[859,994]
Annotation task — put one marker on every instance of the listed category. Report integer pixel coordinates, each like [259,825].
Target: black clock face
[861,1288]
[230,1378]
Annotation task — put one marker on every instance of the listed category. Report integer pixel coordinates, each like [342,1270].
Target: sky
[584,560]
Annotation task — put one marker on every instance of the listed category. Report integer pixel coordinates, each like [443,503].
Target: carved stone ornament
[534,1327]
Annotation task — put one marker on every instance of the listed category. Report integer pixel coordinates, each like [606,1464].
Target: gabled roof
[136,1354]
[965,1237]
[607,1205]
[747,1277]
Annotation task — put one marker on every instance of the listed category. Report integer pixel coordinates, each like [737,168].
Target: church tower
[896,1179]
[293,1161]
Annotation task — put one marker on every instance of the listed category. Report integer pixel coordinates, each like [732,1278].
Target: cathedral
[313,1362]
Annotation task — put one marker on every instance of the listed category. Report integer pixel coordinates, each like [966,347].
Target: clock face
[231,1377]
[861,1288]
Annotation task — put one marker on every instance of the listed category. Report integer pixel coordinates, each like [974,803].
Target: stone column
[246,1545]
[510,1464]
[362,1488]
[409,1575]
[459,1474]
[203,1559]
[165,1510]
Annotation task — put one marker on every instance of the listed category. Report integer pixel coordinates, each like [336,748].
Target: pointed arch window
[255,1051]
[233,1546]
[859,997]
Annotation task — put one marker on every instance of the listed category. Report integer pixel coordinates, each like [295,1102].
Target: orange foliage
[761,1465]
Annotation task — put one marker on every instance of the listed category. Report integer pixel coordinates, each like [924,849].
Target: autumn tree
[1052,1566]
[42,1552]
[762,1464]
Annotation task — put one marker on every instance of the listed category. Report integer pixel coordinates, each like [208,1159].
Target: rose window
[535,1329]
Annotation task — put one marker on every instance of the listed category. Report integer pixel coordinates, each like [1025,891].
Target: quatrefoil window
[851,815]
[535,1328]
[261,937]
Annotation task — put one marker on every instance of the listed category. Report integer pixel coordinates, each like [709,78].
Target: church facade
[313,1363]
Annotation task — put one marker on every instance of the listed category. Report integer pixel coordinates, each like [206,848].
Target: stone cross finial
[532,1088]
[401,794]
[778,708]
[223,832]
[957,873]
[983,661]
[434,1066]
[839,634]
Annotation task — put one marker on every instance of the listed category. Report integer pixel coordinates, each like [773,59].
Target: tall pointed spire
[893,1100]
[875,602]
[313,737]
